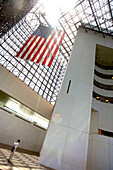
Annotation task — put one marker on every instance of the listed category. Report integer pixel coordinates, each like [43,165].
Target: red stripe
[23,55]
[44,62]
[56,50]
[45,48]
[38,50]
[24,46]
[33,50]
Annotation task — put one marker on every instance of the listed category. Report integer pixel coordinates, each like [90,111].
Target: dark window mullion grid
[95,10]
[69,27]
[36,77]
[29,71]
[54,76]
[93,14]
[41,81]
[23,38]
[10,46]
[33,75]
[13,33]
[8,53]
[16,64]
[38,80]
[24,33]
[110,10]
[22,41]
[64,37]
[27,29]
[15,41]
[102,15]
[71,17]
[8,34]
[110,18]
[29,32]
[57,81]
[28,26]
[49,78]
[47,82]
[85,15]
[66,34]
[21,71]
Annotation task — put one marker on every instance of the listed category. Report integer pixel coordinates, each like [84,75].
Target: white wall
[17,89]
[12,127]
[66,142]
[105,114]
[94,122]
[100,156]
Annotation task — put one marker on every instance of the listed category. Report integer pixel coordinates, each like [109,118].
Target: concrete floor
[21,161]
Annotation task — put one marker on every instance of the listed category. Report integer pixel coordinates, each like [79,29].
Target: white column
[66,143]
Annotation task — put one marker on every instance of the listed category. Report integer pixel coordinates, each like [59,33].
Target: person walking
[15,145]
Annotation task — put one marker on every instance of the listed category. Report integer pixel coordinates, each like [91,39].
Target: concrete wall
[100,148]
[100,156]
[12,127]
[66,142]
[105,114]
[17,89]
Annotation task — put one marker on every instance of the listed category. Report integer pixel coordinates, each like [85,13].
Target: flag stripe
[50,56]
[38,49]
[45,47]
[24,46]
[32,50]
[56,50]
[40,52]
[29,46]
[50,51]
[48,47]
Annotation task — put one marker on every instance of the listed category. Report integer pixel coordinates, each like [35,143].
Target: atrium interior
[71,99]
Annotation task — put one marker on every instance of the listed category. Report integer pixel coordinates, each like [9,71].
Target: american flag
[42,45]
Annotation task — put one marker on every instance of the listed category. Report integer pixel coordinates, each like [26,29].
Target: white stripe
[26,47]
[43,47]
[32,55]
[57,43]
[31,48]
[38,48]
[51,43]
[48,48]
